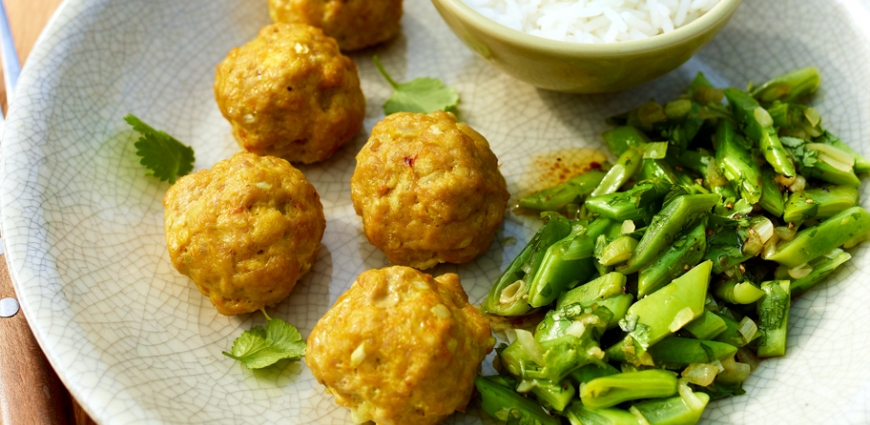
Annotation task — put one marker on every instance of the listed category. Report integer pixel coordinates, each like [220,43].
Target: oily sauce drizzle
[548,169]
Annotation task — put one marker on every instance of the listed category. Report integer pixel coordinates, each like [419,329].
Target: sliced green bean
[789,87]
[626,167]
[509,294]
[773,318]
[560,271]
[681,213]
[862,164]
[758,125]
[505,404]
[813,242]
[638,203]
[736,163]
[592,371]
[831,174]
[657,170]
[708,326]
[682,255]
[578,414]
[622,138]
[611,390]
[674,410]
[670,308]
[725,248]
[771,194]
[680,352]
[556,197]
[821,267]
[819,203]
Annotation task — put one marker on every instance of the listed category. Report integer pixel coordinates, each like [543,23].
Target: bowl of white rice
[586,46]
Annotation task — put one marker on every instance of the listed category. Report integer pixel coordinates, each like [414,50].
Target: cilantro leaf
[423,95]
[796,147]
[165,157]
[261,347]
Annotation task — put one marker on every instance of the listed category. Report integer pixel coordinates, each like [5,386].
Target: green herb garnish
[261,347]
[165,157]
[422,95]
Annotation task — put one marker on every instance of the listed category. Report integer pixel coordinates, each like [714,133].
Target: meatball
[353,23]
[428,190]
[244,231]
[290,93]
[400,347]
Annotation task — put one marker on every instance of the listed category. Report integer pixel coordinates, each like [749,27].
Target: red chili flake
[410,161]
[594,164]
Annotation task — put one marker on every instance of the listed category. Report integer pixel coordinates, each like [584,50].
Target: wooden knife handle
[30,391]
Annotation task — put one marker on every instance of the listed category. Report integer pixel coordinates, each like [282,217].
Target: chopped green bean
[789,87]
[773,318]
[819,203]
[708,326]
[666,311]
[557,197]
[681,213]
[758,125]
[682,255]
[611,390]
[505,404]
[812,242]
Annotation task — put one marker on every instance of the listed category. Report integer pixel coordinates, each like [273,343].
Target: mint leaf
[261,347]
[165,157]
[423,95]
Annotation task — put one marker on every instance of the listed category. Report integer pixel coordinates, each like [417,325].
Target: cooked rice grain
[593,21]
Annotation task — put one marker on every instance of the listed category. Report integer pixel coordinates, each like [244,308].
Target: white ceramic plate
[135,342]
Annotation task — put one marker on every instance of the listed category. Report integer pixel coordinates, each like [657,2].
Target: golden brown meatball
[428,190]
[290,93]
[400,347]
[244,231]
[353,23]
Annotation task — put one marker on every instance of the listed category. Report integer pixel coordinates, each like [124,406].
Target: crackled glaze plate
[135,342]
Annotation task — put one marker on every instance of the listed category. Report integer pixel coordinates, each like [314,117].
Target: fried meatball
[290,93]
[400,347]
[244,231]
[428,190]
[353,23]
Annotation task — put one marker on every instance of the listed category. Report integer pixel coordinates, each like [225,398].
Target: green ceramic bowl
[581,67]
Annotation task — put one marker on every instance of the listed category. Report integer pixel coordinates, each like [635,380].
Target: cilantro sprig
[422,95]
[265,346]
[165,157]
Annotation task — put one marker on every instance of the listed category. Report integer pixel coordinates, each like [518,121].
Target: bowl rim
[722,11]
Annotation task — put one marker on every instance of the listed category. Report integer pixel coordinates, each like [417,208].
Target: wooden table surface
[30,391]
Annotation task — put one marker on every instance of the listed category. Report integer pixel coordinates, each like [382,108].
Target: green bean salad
[666,276]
